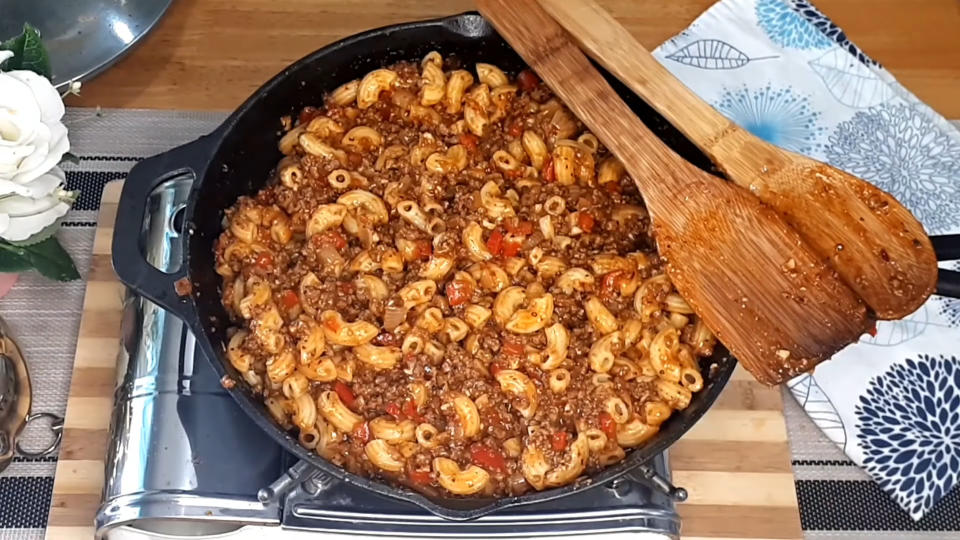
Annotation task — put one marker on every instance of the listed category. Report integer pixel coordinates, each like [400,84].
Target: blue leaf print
[900,150]
[831,30]
[819,407]
[911,446]
[850,82]
[787,28]
[950,307]
[712,54]
[776,115]
[892,333]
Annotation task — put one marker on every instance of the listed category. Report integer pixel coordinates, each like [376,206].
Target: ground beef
[273,240]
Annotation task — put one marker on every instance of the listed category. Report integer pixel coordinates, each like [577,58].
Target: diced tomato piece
[393,410]
[512,246]
[469,141]
[308,114]
[559,441]
[608,425]
[524,228]
[361,432]
[585,221]
[873,331]
[290,299]
[424,478]
[495,368]
[459,292]
[410,410]
[515,129]
[345,393]
[265,260]
[513,348]
[488,458]
[611,282]
[548,171]
[613,187]
[527,80]
[423,249]
[331,238]
[495,242]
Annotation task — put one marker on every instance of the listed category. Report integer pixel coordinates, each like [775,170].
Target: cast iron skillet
[237,158]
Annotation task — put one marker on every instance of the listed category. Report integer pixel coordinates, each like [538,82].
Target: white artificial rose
[22,216]
[32,137]
[33,140]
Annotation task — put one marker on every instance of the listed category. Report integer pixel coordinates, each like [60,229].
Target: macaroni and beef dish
[451,285]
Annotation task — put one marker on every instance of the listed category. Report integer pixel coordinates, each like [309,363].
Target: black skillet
[237,158]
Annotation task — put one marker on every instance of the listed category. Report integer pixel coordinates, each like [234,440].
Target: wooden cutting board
[735,463]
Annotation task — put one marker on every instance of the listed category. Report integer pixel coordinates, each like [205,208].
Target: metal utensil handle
[56,427]
[947,248]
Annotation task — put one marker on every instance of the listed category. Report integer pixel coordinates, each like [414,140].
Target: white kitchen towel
[785,72]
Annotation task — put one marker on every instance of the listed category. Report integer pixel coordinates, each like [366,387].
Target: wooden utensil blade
[877,246]
[770,300]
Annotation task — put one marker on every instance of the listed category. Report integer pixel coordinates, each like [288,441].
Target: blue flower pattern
[909,420]
[776,115]
[787,28]
[822,23]
[901,151]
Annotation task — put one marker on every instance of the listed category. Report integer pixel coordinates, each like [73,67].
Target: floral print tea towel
[784,71]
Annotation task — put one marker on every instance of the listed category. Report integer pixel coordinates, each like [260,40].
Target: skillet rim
[470,25]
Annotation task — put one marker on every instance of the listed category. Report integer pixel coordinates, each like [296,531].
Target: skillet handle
[128,252]
[947,248]
[948,283]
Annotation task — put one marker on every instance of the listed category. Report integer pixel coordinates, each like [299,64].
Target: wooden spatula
[757,285]
[876,245]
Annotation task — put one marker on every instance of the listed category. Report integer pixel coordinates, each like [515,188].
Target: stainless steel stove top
[184,460]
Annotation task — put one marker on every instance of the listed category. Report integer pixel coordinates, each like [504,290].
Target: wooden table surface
[212,54]
[734,463]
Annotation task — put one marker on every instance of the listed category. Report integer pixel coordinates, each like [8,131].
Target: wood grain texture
[212,54]
[739,445]
[876,245]
[80,468]
[765,295]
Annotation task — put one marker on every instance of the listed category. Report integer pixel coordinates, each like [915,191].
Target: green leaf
[13,261]
[28,53]
[47,257]
[51,260]
[71,158]
[14,44]
[35,56]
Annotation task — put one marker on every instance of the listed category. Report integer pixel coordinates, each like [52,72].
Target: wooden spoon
[767,297]
[876,245]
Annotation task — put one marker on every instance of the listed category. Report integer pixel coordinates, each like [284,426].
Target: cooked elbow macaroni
[449,283]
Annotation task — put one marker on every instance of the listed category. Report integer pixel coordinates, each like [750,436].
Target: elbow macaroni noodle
[448,282]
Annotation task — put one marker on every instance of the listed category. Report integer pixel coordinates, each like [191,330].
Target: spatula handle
[555,57]
[612,46]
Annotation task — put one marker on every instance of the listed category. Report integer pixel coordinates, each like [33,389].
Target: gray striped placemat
[837,499]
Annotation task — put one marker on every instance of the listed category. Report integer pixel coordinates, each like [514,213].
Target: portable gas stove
[185,461]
